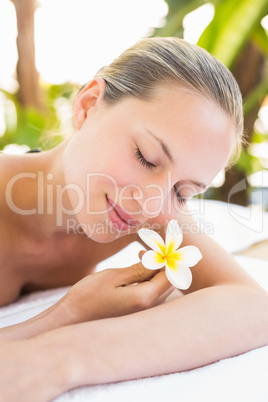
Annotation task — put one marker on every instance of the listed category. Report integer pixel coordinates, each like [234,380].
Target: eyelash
[180,199]
[143,161]
[151,166]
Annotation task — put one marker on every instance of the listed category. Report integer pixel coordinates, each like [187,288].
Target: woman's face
[136,162]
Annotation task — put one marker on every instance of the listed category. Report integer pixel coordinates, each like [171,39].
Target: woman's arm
[188,332]
[108,293]
[185,333]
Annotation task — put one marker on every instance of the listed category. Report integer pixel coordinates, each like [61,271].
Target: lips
[119,217]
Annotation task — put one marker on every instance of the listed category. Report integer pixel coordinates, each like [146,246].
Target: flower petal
[181,277]
[173,236]
[190,255]
[153,260]
[152,239]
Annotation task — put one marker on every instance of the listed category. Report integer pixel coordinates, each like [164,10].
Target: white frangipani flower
[177,261]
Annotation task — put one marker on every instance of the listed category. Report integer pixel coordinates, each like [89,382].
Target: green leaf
[231,27]
[260,37]
[211,34]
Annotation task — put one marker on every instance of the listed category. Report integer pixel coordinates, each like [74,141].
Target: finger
[141,253]
[157,286]
[136,273]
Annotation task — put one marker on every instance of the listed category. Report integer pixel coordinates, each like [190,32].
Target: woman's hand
[115,292]
[109,293]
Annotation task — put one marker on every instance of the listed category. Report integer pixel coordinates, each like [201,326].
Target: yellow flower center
[162,248]
[168,255]
[160,258]
[172,259]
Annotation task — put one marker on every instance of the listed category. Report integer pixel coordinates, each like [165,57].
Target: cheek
[124,170]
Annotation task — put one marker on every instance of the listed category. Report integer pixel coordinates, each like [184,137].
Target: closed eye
[142,160]
[180,199]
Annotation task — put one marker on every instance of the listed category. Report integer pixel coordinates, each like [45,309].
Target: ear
[91,95]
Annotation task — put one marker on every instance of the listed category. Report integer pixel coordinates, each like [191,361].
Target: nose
[150,200]
[156,201]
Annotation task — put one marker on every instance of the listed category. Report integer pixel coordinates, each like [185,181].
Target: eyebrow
[168,154]
[163,145]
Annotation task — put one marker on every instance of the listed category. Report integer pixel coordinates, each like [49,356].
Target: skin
[104,312]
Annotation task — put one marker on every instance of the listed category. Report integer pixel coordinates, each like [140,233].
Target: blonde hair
[153,61]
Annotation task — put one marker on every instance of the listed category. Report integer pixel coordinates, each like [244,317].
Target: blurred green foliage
[32,127]
[232,26]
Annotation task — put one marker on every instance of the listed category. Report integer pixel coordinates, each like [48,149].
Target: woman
[154,129]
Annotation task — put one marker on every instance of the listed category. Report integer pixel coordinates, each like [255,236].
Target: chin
[104,232]
[105,237]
